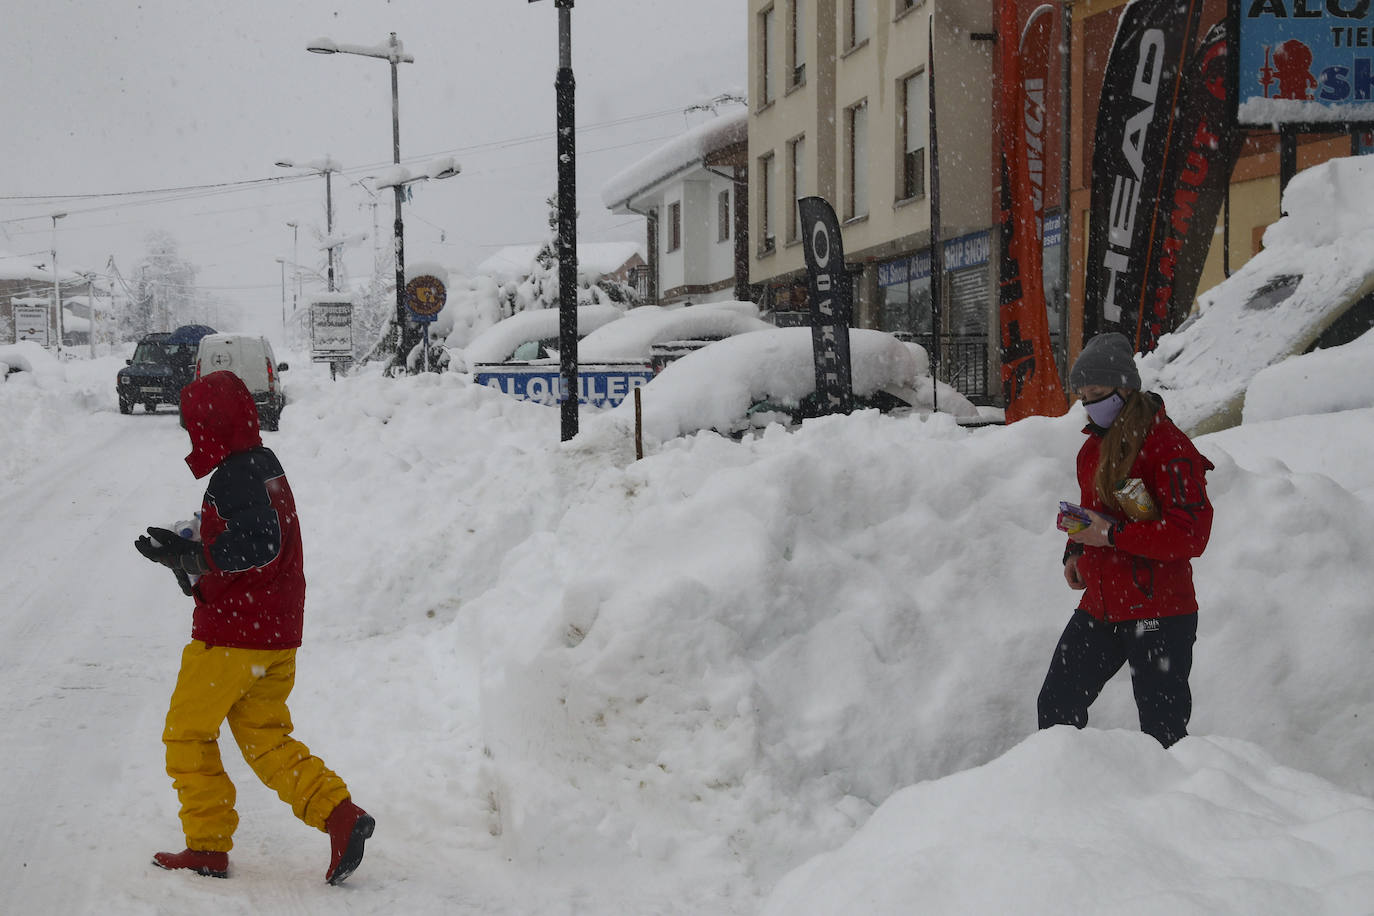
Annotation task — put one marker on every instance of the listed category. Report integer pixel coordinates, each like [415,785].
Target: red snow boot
[211,864]
[349,827]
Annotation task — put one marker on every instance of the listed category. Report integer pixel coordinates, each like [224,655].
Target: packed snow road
[86,651]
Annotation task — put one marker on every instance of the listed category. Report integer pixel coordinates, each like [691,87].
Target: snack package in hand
[1135,500]
[1072,518]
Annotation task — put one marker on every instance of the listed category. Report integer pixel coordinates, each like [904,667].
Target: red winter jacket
[253,596]
[1148,573]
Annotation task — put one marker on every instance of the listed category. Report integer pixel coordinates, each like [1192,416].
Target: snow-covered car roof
[635,335]
[1318,261]
[716,386]
[497,343]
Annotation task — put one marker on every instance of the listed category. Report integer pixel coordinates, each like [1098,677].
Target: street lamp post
[393,53]
[325,167]
[398,178]
[295,266]
[565,97]
[56,284]
[282,262]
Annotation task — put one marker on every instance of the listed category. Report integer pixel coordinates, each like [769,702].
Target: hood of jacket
[221,419]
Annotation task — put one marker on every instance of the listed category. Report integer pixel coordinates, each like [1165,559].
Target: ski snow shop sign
[1305,62]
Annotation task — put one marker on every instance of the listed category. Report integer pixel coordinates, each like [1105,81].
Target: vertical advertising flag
[1038,59]
[1137,119]
[1030,379]
[832,304]
[1205,147]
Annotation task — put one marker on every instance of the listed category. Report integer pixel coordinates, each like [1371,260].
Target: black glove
[172,550]
[184,581]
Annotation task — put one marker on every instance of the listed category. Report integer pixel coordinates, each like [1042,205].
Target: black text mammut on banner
[1206,145]
[1136,120]
[832,303]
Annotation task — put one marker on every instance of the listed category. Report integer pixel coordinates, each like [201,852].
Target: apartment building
[839,108]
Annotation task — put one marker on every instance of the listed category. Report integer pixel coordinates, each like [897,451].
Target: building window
[856,160]
[796,163]
[766,46]
[723,216]
[912,131]
[796,49]
[674,225]
[857,27]
[767,194]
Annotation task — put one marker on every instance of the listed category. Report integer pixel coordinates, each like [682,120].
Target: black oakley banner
[1136,122]
[832,304]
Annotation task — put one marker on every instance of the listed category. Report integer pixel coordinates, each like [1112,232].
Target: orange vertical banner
[1030,378]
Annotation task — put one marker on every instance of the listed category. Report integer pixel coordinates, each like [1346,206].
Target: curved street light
[325,167]
[393,52]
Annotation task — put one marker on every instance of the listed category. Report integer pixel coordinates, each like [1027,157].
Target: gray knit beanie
[1107,359]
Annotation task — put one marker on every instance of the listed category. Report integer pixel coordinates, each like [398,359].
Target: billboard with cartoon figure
[1305,62]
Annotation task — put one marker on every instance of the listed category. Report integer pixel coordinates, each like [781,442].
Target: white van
[250,358]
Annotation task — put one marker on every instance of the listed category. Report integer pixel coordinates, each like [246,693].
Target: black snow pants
[1090,652]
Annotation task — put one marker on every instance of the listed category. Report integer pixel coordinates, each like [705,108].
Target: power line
[224,186]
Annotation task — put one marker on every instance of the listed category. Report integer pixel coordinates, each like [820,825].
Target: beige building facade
[839,108]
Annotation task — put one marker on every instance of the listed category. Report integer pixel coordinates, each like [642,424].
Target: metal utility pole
[56,284]
[393,53]
[564,90]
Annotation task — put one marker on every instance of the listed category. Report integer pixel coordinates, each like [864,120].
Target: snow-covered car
[660,334]
[617,356]
[528,336]
[748,381]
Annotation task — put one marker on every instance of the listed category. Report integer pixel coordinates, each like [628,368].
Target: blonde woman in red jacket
[1132,561]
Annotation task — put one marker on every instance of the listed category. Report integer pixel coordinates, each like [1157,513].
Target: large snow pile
[1317,260]
[568,681]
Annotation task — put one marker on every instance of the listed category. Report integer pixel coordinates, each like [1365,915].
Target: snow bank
[575,679]
[1108,808]
[1323,381]
[1318,259]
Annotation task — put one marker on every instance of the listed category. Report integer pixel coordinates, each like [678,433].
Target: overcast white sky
[106,96]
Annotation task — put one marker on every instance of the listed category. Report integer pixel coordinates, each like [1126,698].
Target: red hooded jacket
[1148,573]
[253,596]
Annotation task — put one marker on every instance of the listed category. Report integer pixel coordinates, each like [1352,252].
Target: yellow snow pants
[248,688]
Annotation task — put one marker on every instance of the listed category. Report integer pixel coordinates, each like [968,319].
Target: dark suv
[162,365]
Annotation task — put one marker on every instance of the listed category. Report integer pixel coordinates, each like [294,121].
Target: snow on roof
[594,260]
[686,150]
[634,336]
[1317,261]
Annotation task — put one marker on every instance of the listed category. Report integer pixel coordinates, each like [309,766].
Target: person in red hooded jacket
[1133,559]
[240,665]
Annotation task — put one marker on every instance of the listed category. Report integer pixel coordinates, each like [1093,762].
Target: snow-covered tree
[163,287]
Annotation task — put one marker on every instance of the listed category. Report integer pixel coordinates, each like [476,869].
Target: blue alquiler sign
[542,384]
[1305,61]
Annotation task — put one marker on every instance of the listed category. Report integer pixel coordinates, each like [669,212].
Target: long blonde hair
[1120,446]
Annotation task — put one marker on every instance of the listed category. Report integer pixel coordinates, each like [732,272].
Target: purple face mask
[1103,412]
